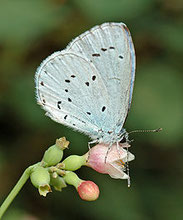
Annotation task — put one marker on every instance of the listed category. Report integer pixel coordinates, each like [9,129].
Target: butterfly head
[111,137]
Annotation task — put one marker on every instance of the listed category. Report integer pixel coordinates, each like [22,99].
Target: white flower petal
[125,176]
[130,157]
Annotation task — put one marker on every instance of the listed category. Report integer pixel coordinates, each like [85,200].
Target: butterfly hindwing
[71,91]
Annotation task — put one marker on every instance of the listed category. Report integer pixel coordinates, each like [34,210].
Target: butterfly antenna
[127,164]
[155,130]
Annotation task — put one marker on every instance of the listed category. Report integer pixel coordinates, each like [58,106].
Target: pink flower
[114,164]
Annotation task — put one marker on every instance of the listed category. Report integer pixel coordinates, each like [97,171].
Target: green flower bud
[54,154]
[72,179]
[74,162]
[40,178]
[58,183]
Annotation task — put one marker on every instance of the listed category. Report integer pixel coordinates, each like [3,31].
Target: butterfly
[88,86]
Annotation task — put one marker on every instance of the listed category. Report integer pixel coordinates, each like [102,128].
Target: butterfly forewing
[110,48]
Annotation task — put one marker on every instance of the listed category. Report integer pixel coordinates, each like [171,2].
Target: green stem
[16,190]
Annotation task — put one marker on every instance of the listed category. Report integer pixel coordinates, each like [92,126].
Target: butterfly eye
[123,140]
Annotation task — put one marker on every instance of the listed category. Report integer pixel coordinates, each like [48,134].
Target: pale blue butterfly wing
[89,85]
[66,84]
[110,48]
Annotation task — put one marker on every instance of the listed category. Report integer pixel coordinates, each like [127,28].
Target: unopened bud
[58,183]
[40,178]
[74,162]
[88,191]
[72,179]
[52,156]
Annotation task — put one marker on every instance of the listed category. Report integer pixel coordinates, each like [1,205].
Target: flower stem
[16,190]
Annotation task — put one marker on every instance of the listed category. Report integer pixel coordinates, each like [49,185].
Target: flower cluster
[53,172]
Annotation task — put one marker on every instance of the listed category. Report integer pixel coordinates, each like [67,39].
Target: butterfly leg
[126,164]
[89,147]
[118,148]
[127,168]
[109,148]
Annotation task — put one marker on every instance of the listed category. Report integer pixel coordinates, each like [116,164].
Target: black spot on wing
[65,117]
[42,83]
[58,104]
[66,90]
[112,48]
[96,55]
[121,57]
[89,113]
[69,100]
[103,108]
[103,49]
[87,83]
[73,76]
[67,81]
[93,77]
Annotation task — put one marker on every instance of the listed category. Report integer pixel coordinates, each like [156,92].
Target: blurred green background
[32,30]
